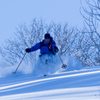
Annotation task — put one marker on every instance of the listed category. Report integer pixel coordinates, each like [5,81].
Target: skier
[48,49]
[47,46]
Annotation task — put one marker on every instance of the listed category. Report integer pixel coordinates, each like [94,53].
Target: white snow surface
[74,83]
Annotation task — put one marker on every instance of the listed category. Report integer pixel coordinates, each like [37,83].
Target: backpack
[49,45]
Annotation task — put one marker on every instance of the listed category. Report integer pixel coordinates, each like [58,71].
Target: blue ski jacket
[44,47]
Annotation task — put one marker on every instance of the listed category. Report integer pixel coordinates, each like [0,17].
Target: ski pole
[60,59]
[19,64]
[64,66]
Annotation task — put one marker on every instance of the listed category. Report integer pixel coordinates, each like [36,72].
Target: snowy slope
[83,84]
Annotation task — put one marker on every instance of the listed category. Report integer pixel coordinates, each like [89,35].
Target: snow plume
[9,70]
[4,71]
[72,63]
[47,64]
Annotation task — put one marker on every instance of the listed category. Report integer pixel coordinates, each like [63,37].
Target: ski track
[81,84]
[47,79]
[83,93]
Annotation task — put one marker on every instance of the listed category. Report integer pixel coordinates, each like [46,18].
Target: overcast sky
[15,12]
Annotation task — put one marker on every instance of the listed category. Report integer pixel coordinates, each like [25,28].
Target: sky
[16,12]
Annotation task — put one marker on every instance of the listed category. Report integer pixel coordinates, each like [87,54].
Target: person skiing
[47,46]
[48,49]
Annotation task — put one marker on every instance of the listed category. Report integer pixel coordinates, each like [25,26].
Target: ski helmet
[47,36]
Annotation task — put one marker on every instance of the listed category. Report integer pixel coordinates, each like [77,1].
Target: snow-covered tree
[27,36]
[90,43]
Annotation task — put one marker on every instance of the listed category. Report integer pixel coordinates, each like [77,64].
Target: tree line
[84,44]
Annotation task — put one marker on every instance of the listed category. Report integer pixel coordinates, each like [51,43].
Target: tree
[91,41]
[27,36]
[24,37]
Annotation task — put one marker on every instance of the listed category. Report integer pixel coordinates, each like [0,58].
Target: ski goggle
[47,38]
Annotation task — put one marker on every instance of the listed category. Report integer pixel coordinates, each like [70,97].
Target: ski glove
[56,49]
[28,50]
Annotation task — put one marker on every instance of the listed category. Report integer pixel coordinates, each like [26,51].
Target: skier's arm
[35,47]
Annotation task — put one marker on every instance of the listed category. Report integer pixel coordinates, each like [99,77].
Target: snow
[74,83]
